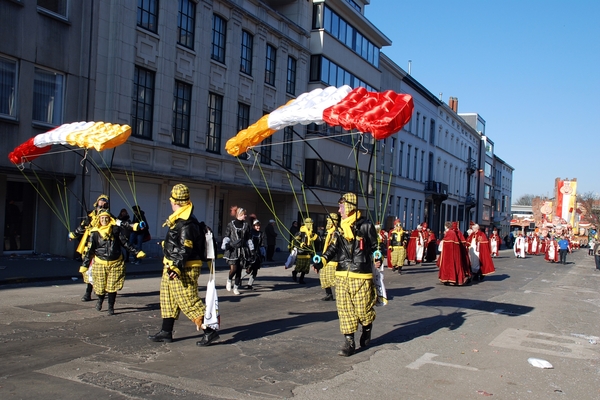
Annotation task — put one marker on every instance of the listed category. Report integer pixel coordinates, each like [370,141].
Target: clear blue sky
[530,68]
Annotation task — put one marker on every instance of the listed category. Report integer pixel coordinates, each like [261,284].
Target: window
[324,70]
[415,164]
[270,65]
[143,103]
[422,164]
[8,87]
[48,97]
[265,150]
[246,57]
[290,86]
[408,162]
[488,170]
[186,20]
[147,15]
[243,121]
[219,28]
[487,192]
[401,158]
[215,118]
[417,123]
[288,136]
[56,6]
[432,131]
[182,102]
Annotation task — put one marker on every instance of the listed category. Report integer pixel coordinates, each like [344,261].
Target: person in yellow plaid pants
[327,273]
[184,248]
[105,245]
[354,246]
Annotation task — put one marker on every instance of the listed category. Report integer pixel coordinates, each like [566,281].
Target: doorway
[19,219]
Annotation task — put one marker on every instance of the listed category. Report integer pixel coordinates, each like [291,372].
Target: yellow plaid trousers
[108,276]
[181,295]
[355,301]
[327,274]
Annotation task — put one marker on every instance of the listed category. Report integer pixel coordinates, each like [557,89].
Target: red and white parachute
[378,113]
[96,135]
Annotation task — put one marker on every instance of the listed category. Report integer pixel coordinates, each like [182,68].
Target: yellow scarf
[310,237]
[328,237]
[346,225]
[183,213]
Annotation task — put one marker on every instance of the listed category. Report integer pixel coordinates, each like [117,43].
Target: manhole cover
[57,307]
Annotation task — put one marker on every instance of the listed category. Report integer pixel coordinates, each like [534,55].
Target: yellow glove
[167,263]
[72,235]
[140,254]
[83,269]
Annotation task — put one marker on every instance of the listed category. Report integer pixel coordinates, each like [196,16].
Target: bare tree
[525,200]
[591,202]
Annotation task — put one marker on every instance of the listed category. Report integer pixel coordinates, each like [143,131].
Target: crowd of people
[554,247]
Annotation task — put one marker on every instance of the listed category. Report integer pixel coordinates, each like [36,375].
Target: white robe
[520,245]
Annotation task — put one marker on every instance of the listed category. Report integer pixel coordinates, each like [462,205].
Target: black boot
[210,335]
[162,336]
[294,276]
[166,332]
[88,293]
[365,337]
[329,295]
[111,303]
[348,347]
[301,280]
[100,301]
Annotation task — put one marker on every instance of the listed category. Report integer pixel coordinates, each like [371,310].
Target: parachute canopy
[379,113]
[96,135]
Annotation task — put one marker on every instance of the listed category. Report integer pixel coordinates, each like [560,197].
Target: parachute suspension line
[64,201]
[112,181]
[270,204]
[257,146]
[83,161]
[312,243]
[45,196]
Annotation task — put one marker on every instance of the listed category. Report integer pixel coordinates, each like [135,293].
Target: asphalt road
[280,341]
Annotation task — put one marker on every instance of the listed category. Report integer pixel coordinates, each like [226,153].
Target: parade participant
[303,241]
[564,247]
[414,250]
[184,248]
[431,245]
[259,240]
[495,242]
[327,273]
[534,244]
[551,254]
[125,230]
[105,245]
[543,244]
[396,249]
[136,238]
[453,261]
[382,241]
[519,246]
[354,247]
[480,254]
[82,232]
[238,247]
[271,239]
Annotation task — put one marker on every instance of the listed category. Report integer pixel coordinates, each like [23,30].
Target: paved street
[280,341]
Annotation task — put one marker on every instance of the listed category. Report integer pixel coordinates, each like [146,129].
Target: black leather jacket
[107,249]
[185,241]
[355,255]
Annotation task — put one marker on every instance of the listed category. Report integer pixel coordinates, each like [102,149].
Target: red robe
[411,249]
[453,262]
[495,237]
[486,264]
[547,257]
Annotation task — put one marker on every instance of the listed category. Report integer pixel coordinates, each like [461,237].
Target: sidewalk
[46,267]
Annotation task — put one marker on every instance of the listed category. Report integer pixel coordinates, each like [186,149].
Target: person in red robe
[453,261]
[495,242]
[480,254]
[552,253]
[416,245]
[431,246]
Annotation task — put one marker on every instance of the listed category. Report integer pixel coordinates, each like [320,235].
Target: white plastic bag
[212,318]
[291,260]
[379,286]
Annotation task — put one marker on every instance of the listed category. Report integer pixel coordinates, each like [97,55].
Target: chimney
[409,66]
[453,103]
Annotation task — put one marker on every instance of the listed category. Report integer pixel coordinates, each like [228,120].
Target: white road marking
[427,358]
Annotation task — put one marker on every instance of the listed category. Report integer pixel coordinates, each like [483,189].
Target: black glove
[172,274]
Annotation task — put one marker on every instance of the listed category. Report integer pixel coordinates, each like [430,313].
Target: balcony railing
[471,166]
[436,187]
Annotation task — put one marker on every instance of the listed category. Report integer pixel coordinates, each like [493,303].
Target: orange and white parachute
[378,113]
[88,135]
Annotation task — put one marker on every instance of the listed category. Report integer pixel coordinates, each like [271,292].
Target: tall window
[243,121]
[270,65]
[401,159]
[182,102]
[422,164]
[147,14]
[219,28]
[143,103]
[8,87]
[432,131]
[265,150]
[246,57]
[186,20]
[215,118]
[290,86]
[56,6]
[48,97]
[417,123]
[408,162]
[415,164]
[288,136]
